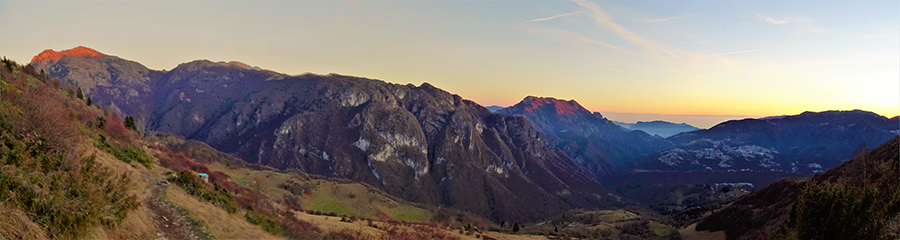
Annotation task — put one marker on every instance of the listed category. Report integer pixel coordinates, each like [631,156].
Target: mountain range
[861,196]
[494,108]
[594,141]
[526,162]
[807,142]
[662,128]
[419,143]
[108,80]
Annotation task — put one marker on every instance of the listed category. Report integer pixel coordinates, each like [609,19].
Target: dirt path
[170,224]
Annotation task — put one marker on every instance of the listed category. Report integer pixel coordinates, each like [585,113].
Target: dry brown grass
[14,224]
[691,233]
[137,224]
[514,237]
[221,224]
[137,175]
[333,224]
[892,229]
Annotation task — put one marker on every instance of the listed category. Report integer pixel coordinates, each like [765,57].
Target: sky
[681,61]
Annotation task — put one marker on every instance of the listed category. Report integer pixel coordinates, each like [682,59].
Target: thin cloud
[732,53]
[782,21]
[551,18]
[656,49]
[670,54]
[573,37]
[659,20]
[773,21]
[606,21]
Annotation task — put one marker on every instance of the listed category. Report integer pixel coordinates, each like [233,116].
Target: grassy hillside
[628,223]
[72,170]
[69,169]
[53,182]
[324,207]
[298,190]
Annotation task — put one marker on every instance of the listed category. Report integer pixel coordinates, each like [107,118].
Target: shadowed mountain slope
[594,141]
[811,141]
[419,143]
[108,80]
[860,199]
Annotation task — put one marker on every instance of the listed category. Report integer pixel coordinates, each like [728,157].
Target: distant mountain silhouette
[811,141]
[661,128]
[419,143]
[624,125]
[591,139]
[494,108]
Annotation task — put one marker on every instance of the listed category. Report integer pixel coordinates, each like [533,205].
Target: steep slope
[594,141]
[69,170]
[107,80]
[860,199]
[57,180]
[419,143]
[811,141]
[192,93]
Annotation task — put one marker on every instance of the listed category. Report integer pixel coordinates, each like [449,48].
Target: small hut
[204,176]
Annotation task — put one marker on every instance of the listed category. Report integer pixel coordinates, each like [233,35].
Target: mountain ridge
[419,143]
[806,142]
[50,55]
[658,127]
[590,138]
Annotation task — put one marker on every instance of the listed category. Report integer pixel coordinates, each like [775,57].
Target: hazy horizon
[649,59]
[700,121]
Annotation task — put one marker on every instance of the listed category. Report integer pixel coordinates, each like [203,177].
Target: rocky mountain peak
[50,55]
[594,141]
[561,107]
[241,64]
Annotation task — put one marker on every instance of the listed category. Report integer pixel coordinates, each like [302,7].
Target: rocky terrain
[594,141]
[108,80]
[808,142]
[536,159]
[419,143]
[862,195]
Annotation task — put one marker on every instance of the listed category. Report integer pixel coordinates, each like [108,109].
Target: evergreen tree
[80,94]
[9,64]
[89,102]
[129,123]
[516,227]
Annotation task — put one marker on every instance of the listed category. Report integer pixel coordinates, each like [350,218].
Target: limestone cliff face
[416,142]
[419,143]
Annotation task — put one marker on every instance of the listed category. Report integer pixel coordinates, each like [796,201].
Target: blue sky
[731,58]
